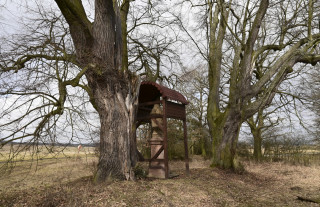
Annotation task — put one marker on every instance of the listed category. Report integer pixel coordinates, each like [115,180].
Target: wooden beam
[149,103]
[165,138]
[157,154]
[186,152]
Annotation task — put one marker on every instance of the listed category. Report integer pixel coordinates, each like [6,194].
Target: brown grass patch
[266,184]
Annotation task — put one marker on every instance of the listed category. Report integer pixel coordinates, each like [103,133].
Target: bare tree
[269,116]
[234,45]
[71,67]
[50,68]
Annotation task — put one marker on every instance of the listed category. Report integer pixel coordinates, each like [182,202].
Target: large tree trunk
[112,90]
[224,130]
[256,131]
[225,123]
[113,95]
[116,133]
[257,145]
[116,104]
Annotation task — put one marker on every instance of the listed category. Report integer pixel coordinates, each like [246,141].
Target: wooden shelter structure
[156,104]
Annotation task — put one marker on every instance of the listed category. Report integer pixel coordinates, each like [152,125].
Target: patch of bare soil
[267,184]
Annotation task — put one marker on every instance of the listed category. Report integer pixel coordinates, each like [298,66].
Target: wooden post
[186,153]
[165,138]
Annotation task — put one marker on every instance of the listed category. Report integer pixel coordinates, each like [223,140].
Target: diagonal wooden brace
[157,154]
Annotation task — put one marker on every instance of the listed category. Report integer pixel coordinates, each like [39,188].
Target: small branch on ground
[311,200]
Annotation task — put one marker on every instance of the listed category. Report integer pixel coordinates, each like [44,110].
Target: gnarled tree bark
[113,91]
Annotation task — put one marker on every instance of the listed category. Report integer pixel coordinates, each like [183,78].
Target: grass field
[43,152]
[25,171]
[67,181]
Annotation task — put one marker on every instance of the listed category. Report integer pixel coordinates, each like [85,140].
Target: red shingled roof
[149,91]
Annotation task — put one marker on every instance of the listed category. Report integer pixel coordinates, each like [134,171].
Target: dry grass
[65,182]
[50,169]
[21,153]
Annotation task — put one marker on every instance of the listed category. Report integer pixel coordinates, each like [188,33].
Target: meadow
[42,169]
[65,179]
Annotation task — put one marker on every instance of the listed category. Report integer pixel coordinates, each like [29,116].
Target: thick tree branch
[124,10]
[309,59]
[293,54]
[81,28]
[268,94]
[247,61]
[75,14]
[215,54]
[107,45]
[269,47]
